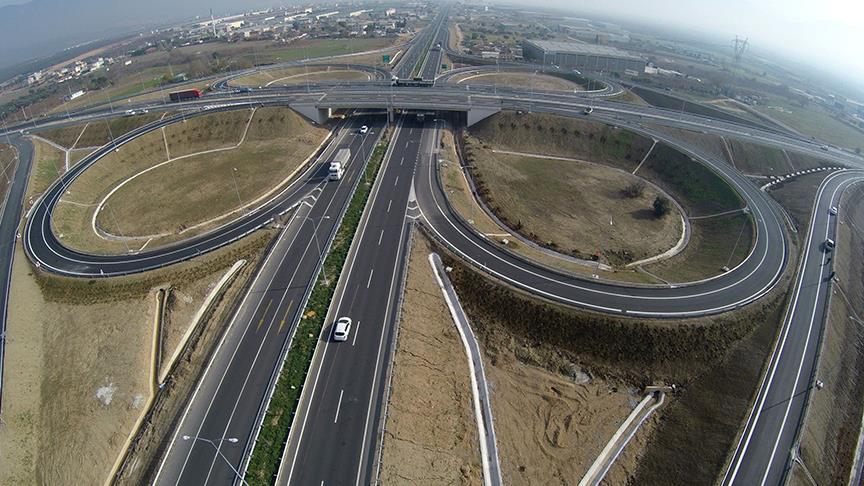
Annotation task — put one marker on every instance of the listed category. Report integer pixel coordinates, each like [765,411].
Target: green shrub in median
[274,432]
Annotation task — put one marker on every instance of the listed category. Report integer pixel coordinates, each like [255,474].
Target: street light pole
[318,245]
[213,443]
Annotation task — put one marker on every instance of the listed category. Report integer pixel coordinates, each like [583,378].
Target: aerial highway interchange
[336,430]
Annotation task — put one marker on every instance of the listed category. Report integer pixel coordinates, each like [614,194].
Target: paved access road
[763,453]
[230,399]
[743,284]
[9,221]
[47,252]
[335,430]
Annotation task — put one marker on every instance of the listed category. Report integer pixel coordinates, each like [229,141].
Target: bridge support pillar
[312,112]
[479,114]
[391,115]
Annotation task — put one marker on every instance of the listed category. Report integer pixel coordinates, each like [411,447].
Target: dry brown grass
[290,76]
[429,437]
[164,203]
[48,165]
[8,159]
[463,202]
[571,214]
[576,207]
[521,80]
[723,241]
[97,133]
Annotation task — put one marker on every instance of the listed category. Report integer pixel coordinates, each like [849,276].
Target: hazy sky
[827,33]
[823,32]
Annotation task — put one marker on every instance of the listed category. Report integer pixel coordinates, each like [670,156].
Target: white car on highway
[833,211]
[342,329]
[364,129]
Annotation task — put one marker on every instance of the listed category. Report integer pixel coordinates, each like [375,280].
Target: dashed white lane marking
[380,237]
[356,329]
[370,278]
[389,204]
[338,407]
[397,181]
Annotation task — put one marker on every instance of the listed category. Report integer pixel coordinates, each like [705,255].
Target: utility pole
[739,47]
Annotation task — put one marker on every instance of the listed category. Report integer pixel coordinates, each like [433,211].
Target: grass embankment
[699,190]
[8,159]
[187,196]
[47,167]
[569,211]
[462,200]
[299,75]
[715,242]
[521,80]
[97,133]
[580,210]
[264,463]
[663,100]
[749,158]
[562,136]
[815,121]
[832,424]
[715,361]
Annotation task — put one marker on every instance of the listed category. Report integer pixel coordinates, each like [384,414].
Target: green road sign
[386,58]
[443,67]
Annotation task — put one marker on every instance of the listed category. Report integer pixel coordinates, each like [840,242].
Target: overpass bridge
[322,109]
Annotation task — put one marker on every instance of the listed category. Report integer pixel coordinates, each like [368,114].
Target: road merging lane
[230,398]
[762,455]
[343,382]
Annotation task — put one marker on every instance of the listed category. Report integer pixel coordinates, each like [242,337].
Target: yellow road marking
[261,322]
[287,310]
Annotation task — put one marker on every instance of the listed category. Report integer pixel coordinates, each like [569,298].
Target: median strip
[277,423]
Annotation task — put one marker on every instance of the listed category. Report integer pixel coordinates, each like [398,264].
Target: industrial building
[582,56]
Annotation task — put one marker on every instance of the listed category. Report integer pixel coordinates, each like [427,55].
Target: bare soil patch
[715,361]
[431,433]
[79,354]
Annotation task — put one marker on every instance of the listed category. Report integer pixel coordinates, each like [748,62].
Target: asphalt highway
[742,285]
[750,280]
[420,46]
[763,454]
[44,248]
[9,221]
[230,399]
[334,432]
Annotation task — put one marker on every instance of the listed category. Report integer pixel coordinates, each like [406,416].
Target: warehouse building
[590,57]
